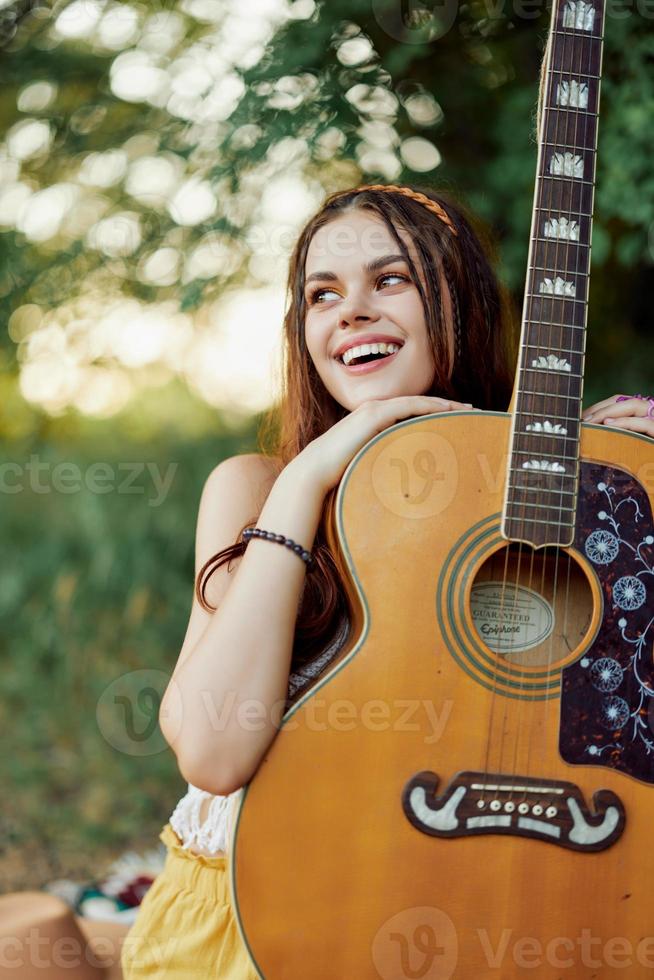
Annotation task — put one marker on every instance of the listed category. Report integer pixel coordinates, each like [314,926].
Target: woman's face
[351,304]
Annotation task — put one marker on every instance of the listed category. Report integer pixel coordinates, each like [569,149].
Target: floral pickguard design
[607,697]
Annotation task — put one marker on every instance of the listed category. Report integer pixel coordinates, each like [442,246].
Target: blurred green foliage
[97,585]
[481,65]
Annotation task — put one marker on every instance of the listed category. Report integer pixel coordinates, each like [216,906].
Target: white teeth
[363,349]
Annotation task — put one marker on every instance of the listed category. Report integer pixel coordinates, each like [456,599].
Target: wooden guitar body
[469,790]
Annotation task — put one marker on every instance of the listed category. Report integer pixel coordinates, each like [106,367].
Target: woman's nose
[355,309]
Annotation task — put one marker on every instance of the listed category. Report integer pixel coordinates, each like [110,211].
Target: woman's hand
[630,414]
[326,458]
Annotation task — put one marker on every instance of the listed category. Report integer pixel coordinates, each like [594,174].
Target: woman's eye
[389,275]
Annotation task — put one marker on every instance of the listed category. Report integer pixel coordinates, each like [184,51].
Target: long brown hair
[474,363]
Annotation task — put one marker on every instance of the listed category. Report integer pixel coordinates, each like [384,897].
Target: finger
[635,407]
[643,425]
[598,406]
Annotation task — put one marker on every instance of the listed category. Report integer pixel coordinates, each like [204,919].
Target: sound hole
[531,607]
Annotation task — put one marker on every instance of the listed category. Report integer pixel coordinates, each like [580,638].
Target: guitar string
[556,91]
[567,58]
[536,343]
[568,62]
[549,85]
[494,687]
[527,306]
[545,210]
[584,61]
[588,46]
[594,84]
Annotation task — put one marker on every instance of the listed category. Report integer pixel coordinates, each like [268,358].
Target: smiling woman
[396,278]
[394,312]
[363,308]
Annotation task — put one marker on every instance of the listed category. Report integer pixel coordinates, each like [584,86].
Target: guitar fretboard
[543,474]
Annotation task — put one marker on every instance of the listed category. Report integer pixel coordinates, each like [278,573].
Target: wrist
[301,474]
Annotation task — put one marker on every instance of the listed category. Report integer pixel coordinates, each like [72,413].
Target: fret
[559,145]
[566,493]
[568,241]
[548,473]
[582,276]
[559,296]
[547,323]
[578,74]
[556,456]
[548,394]
[578,33]
[540,436]
[555,209]
[539,348]
[549,416]
[562,178]
[525,522]
[537,506]
[573,109]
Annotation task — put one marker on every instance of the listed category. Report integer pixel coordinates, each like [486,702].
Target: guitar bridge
[489,803]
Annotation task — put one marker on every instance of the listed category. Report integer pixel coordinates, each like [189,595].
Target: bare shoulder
[248,477]
[233,495]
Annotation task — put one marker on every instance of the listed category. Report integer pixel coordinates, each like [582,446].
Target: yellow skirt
[185,927]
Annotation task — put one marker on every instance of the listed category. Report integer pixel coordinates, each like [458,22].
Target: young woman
[401,271]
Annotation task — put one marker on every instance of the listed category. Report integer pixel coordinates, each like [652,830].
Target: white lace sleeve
[212,833]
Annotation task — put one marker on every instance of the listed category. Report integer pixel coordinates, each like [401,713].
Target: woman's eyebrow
[370,267]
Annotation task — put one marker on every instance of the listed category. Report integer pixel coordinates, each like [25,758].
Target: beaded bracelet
[258,532]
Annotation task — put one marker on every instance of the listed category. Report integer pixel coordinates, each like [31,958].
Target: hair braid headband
[433,206]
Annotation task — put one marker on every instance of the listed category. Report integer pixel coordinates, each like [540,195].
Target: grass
[95,594]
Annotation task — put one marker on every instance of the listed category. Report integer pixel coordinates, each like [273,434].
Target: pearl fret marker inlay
[544,465]
[547,428]
[579,16]
[572,93]
[562,228]
[567,165]
[557,287]
[551,363]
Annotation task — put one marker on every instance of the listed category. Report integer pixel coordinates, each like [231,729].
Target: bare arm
[242,652]
[222,707]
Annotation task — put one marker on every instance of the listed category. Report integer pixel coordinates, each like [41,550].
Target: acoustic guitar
[468,790]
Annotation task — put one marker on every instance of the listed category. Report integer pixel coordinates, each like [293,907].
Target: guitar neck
[540,502]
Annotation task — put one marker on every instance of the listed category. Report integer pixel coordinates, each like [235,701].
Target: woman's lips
[370,365]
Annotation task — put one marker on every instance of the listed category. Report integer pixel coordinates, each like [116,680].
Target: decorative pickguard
[607,697]
[490,803]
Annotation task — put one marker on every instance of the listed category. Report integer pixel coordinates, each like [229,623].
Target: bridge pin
[537,809]
[523,808]
[495,805]
[551,811]
[509,806]
[480,804]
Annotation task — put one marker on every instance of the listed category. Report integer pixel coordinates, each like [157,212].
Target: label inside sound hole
[509,617]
